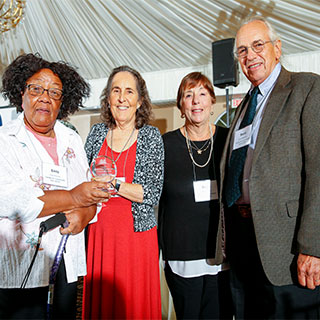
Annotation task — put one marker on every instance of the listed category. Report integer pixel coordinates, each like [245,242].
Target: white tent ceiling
[150,35]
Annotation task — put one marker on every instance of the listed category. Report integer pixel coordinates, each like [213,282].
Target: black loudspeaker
[225,66]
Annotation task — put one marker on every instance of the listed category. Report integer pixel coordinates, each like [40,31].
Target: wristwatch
[117,184]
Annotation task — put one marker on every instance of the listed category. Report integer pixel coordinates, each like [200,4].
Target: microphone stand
[228,107]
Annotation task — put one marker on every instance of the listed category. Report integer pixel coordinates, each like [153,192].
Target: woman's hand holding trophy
[104,169]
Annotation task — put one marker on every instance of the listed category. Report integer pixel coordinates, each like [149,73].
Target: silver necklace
[190,149]
[122,147]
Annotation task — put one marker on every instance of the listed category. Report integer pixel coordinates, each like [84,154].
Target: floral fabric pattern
[69,154]
[21,159]
[38,179]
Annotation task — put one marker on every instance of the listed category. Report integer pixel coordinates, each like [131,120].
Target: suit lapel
[276,103]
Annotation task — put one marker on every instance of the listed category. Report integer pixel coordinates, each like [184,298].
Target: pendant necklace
[203,148]
[190,148]
[125,161]
[115,160]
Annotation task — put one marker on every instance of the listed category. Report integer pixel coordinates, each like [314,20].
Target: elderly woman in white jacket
[42,172]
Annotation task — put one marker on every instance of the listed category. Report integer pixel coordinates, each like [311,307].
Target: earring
[182,115]
[211,113]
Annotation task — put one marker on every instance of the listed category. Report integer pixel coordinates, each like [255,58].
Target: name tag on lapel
[242,137]
[55,175]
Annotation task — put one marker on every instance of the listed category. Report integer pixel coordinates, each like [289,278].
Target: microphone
[53,222]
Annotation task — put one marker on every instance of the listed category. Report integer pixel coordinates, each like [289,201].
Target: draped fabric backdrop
[150,35]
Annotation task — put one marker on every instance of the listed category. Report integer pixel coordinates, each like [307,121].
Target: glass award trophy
[104,169]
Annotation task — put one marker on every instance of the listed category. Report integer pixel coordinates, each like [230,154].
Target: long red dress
[122,280]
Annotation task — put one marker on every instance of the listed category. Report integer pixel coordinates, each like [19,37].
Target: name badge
[54,175]
[205,190]
[242,137]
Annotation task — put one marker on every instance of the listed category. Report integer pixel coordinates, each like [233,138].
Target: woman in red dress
[122,253]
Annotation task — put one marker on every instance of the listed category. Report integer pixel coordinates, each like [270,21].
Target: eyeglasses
[257,46]
[37,90]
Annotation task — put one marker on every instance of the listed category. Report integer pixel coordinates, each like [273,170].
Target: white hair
[271,30]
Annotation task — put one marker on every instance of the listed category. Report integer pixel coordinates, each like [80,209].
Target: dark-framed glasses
[37,90]
[257,46]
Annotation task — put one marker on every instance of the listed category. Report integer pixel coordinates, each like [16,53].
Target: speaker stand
[228,107]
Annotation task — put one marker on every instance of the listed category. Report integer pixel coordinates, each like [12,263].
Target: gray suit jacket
[284,184]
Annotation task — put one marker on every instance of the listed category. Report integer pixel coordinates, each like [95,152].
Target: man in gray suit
[270,185]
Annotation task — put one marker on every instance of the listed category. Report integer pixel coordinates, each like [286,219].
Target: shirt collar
[267,84]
